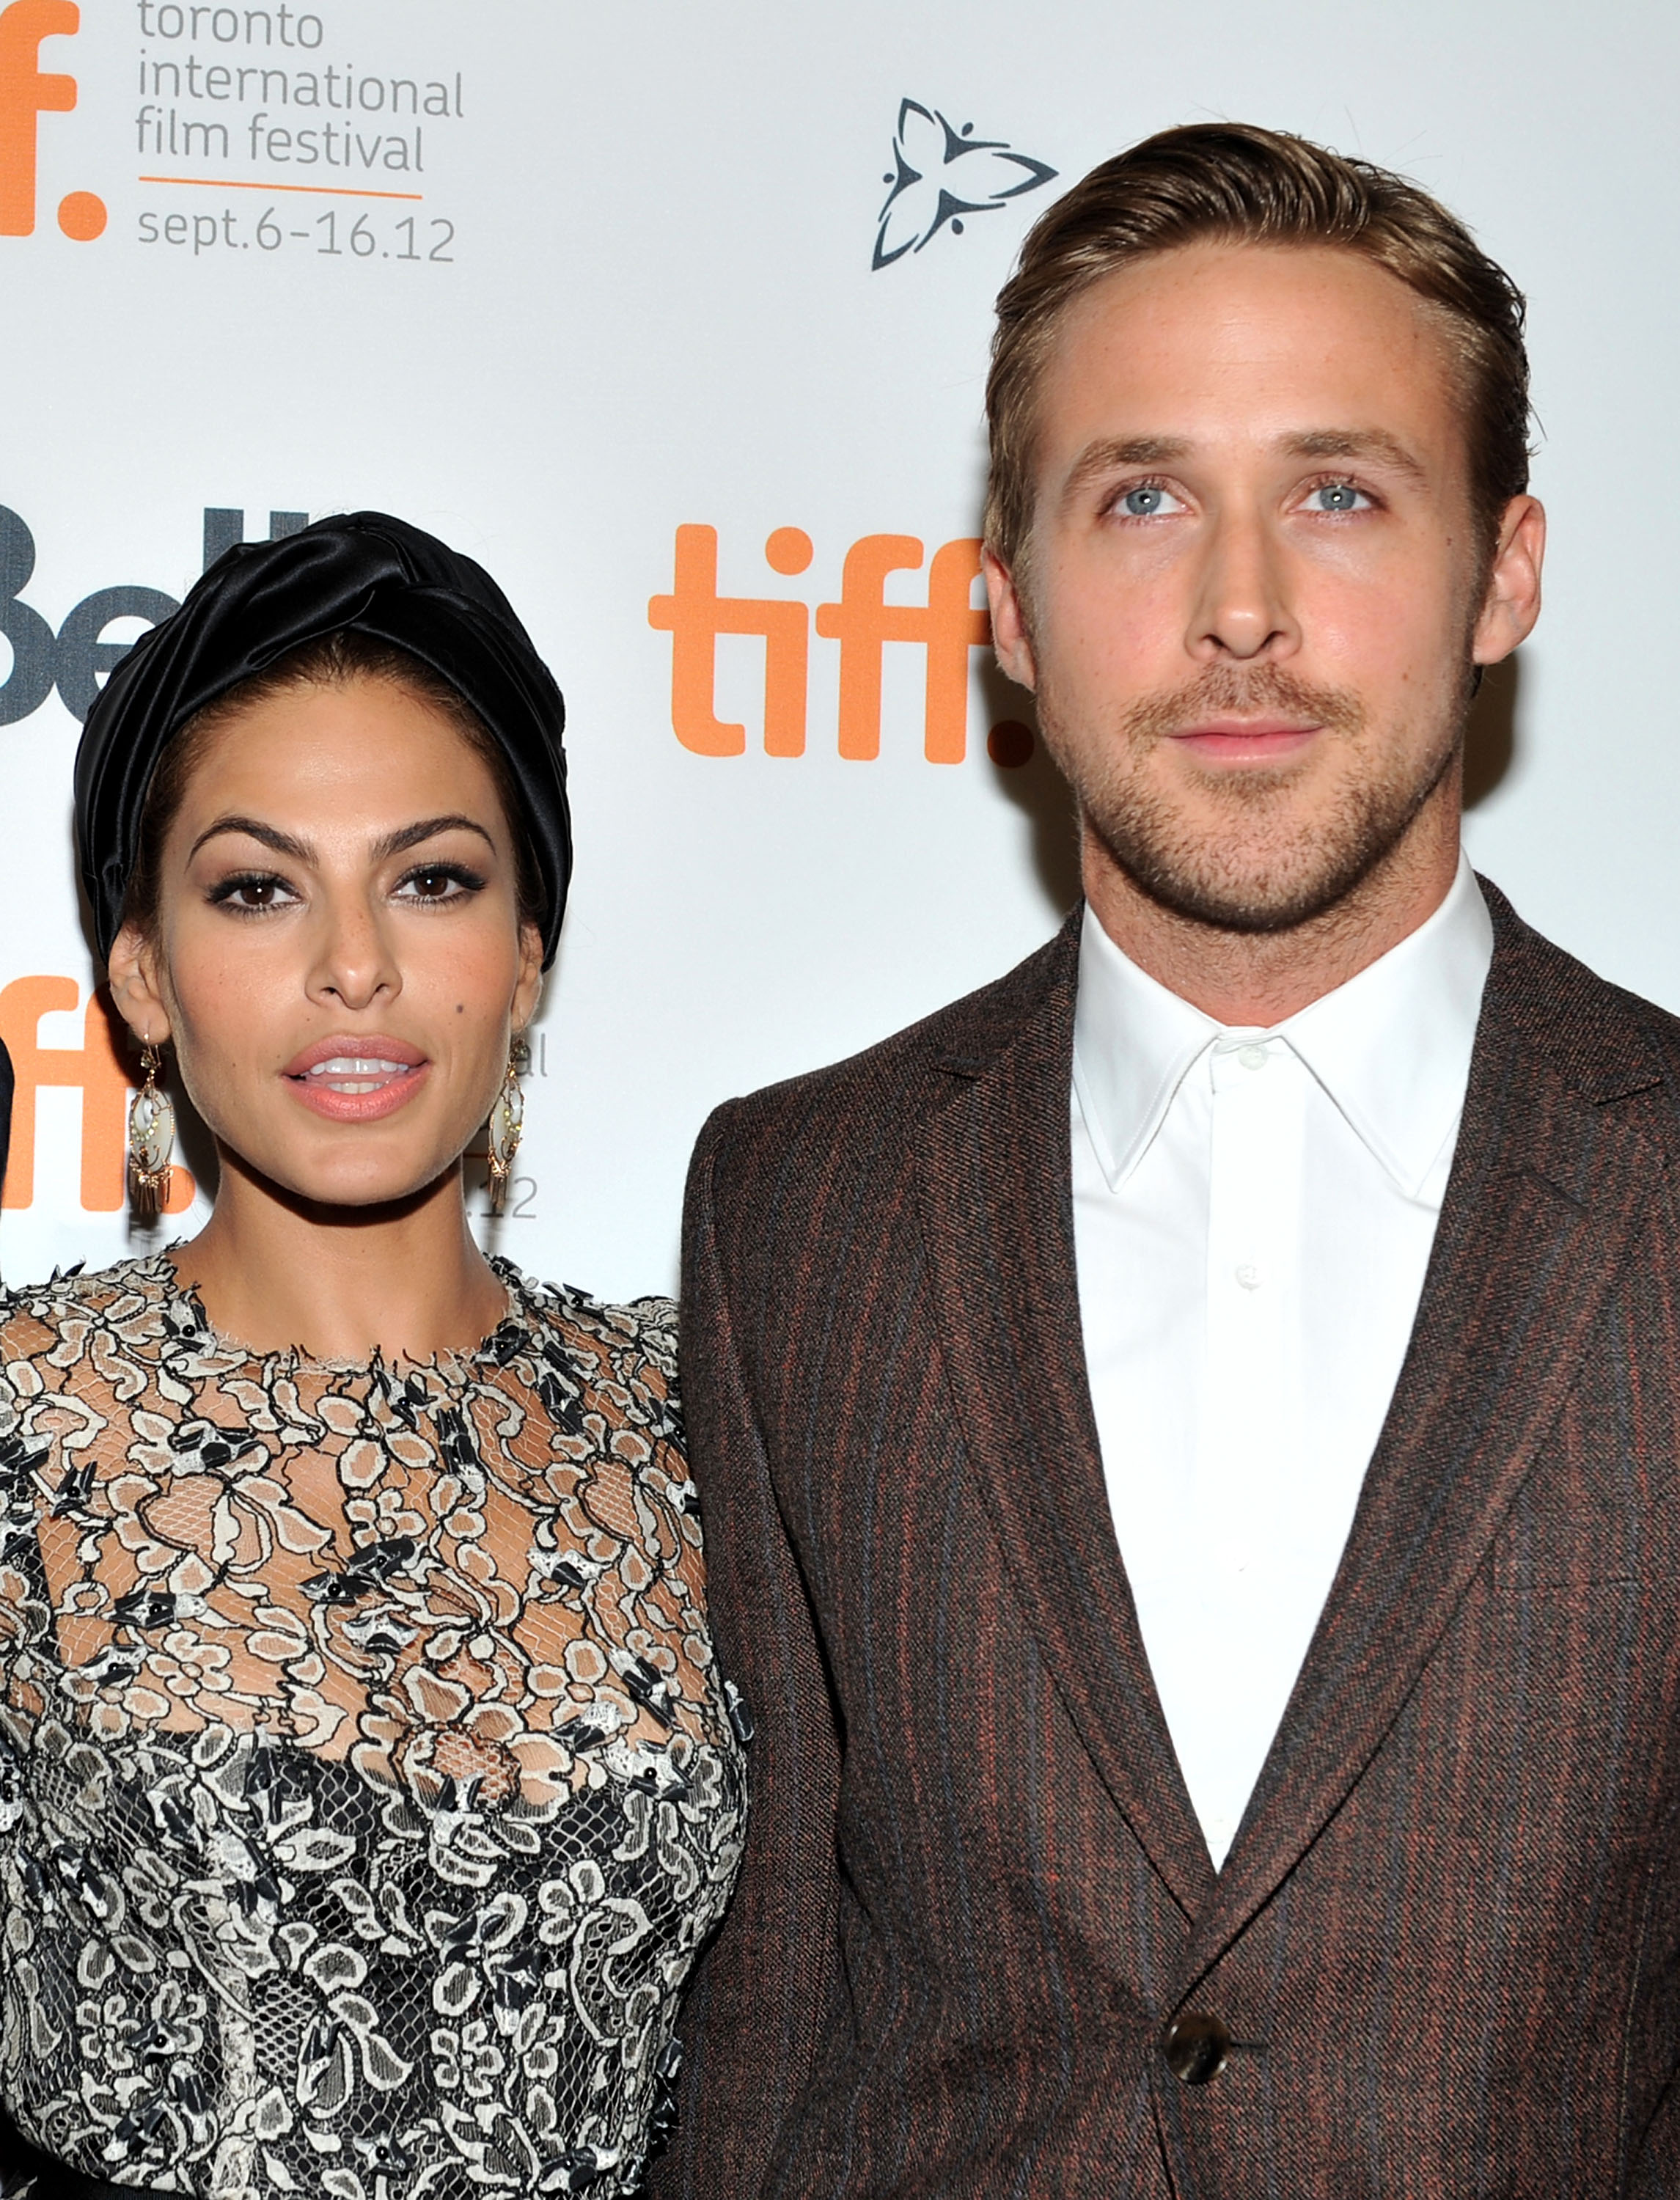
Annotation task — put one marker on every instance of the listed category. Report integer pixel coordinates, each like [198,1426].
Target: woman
[366,1784]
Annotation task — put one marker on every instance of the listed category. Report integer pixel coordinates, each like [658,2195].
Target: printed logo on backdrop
[247,119]
[941,175]
[947,627]
[71,659]
[85,646]
[27,92]
[256,116]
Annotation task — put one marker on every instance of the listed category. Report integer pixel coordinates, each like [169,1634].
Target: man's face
[1255,589]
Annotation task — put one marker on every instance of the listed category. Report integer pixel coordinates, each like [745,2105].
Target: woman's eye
[1148,501]
[438,883]
[1338,496]
[252,895]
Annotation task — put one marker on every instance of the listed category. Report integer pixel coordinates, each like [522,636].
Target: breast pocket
[1593,1522]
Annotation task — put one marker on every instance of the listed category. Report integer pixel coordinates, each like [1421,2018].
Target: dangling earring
[507,1117]
[151,1140]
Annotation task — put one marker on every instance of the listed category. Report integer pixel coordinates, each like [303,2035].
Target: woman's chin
[349,1180]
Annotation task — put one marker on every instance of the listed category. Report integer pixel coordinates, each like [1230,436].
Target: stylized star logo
[942,173]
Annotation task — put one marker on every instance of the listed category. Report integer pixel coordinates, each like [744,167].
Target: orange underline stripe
[323,191]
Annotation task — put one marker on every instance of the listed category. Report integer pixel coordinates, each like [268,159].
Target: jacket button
[1196,2045]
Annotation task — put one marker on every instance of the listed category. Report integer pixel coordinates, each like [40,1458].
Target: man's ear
[136,988]
[1512,604]
[1010,636]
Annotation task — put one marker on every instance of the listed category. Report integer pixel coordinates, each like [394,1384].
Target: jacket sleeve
[767,1989]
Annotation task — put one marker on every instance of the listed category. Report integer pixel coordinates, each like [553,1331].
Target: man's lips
[356,1077]
[1246,741]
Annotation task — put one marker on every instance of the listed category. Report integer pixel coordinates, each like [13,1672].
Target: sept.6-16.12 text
[337,234]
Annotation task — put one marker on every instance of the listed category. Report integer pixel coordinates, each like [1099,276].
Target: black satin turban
[368,574]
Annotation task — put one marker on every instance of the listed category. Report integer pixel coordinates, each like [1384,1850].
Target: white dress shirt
[1253,1214]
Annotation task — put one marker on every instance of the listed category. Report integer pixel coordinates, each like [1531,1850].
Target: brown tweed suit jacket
[1446,1937]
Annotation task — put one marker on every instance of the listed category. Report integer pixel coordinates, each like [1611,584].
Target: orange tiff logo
[97,1069]
[947,627]
[27,92]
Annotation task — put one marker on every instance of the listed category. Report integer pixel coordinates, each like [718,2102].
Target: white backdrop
[633,289]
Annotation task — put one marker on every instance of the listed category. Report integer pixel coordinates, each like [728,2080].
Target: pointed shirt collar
[1392,1047]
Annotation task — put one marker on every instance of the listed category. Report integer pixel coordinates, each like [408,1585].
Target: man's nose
[1241,609]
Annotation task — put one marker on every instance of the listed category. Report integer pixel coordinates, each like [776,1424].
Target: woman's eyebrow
[410,836]
[283,843]
[300,852]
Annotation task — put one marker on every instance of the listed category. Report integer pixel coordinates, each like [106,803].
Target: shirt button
[1196,2045]
[1253,1057]
[1249,1276]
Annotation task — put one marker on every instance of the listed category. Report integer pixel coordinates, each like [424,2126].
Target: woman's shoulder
[647,1325]
[631,1342]
[131,1298]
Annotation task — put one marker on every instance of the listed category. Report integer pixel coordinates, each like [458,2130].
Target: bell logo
[26,91]
[946,628]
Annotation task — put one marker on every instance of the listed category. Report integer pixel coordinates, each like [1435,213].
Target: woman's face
[339,959]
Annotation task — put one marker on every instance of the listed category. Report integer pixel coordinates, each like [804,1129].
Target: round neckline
[515,1318]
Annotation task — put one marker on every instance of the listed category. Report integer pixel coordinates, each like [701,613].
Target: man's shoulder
[1598,1037]
[895,1081]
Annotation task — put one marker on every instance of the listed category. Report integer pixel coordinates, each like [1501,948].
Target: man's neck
[1257,980]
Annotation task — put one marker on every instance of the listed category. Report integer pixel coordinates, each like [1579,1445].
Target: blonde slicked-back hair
[1231,183]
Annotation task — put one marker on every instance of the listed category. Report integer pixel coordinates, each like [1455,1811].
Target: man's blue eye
[1143,503]
[1338,496]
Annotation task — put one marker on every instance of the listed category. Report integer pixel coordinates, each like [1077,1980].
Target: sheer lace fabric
[366,1786]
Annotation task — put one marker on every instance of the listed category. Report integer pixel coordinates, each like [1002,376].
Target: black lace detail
[366,1786]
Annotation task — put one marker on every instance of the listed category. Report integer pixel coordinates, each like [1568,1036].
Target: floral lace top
[366,1786]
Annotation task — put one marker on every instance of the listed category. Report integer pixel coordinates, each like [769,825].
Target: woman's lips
[1235,741]
[356,1080]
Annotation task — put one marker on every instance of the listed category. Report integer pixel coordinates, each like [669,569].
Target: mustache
[1242,691]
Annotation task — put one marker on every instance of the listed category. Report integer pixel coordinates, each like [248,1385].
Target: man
[1188,1434]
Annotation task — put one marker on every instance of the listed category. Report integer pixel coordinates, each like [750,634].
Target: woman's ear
[135,988]
[528,986]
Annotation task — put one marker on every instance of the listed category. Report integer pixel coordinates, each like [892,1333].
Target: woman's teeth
[356,1072]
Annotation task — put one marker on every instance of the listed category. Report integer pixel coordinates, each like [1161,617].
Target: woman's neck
[407,1280]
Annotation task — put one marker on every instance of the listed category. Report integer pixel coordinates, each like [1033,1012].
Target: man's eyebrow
[1097,459]
[1356,443]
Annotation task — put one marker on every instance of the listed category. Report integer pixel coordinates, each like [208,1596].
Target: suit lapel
[995,1191]
[1550,1190]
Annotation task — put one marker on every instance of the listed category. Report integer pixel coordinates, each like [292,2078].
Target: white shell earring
[151,1139]
[507,1117]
